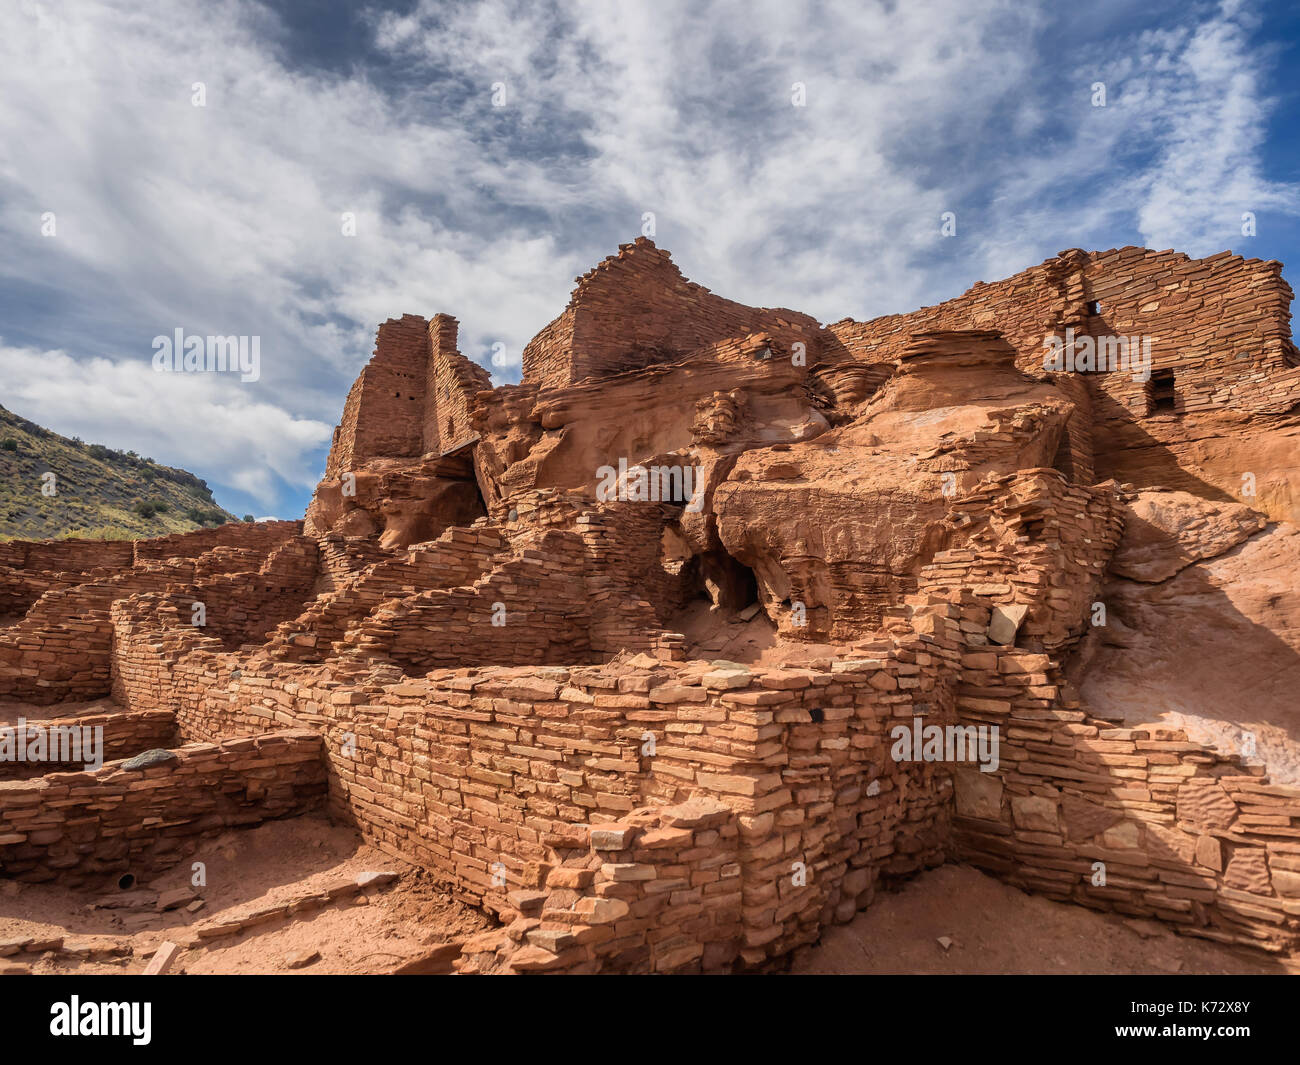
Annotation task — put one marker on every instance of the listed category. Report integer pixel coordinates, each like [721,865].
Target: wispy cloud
[1207,102]
[227,218]
[193,421]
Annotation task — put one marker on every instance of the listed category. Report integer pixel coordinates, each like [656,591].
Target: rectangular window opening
[1161,398]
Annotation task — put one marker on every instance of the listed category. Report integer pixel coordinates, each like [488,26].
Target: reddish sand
[997,929]
[994,929]
[273,862]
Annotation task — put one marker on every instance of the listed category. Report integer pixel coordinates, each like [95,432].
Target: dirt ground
[993,928]
[721,634]
[998,929]
[245,869]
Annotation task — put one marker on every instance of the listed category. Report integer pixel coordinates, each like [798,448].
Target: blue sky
[226,218]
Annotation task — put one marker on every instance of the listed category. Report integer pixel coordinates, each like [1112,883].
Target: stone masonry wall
[67,555]
[548,357]
[1135,820]
[635,308]
[29,568]
[124,733]
[1031,540]
[457,558]
[77,556]
[384,412]
[505,781]
[454,381]
[483,774]
[1222,324]
[242,608]
[629,593]
[151,633]
[530,609]
[262,537]
[83,827]
[61,649]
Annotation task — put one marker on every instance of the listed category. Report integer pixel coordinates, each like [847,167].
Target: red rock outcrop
[841,525]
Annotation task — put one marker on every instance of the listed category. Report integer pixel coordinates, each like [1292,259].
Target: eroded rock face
[816,468]
[842,524]
[721,402]
[1165,532]
[396,504]
[834,470]
[1202,627]
[1208,454]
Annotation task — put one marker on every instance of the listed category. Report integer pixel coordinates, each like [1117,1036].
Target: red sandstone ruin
[658,734]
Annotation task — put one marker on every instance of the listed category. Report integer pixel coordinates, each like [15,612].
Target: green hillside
[100,493]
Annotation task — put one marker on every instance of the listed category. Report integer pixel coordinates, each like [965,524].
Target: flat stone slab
[149,759]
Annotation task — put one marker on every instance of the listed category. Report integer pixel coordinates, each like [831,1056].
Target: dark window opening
[675,553]
[1034,528]
[1094,307]
[728,583]
[817,715]
[1161,398]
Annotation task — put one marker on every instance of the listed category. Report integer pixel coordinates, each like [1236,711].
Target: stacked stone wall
[635,309]
[1221,324]
[483,774]
[1140,821]
[454,381]
[84,827]
[62,648]
[1032,540]
[384,413]
[120,735]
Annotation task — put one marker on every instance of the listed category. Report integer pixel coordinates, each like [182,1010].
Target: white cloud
[1209,108]
[686,111]
[180,419]
[226,219]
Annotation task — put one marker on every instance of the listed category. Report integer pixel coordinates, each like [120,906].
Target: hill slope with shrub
[99,493]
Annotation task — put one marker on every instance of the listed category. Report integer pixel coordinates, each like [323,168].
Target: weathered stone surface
[1168,844]
[1204,804]
[1166,531]
[1247,870]
[1084,819]
[1286,883]
[1035,813]
[300,959]
[1209,853]
[978,794]
[1006,622]
[853,510]
[175,898]
[163,959]
[149,759]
